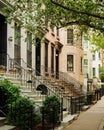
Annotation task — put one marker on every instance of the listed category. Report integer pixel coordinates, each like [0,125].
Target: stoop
[5,126]
[67,120]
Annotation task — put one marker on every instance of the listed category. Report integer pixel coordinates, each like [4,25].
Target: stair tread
[69,118]
[25,91]
[34,95]
[7,127]
[2,118]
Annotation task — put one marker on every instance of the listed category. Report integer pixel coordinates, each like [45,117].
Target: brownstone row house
[59,54]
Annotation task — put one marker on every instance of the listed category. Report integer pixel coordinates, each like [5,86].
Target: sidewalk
[92,119]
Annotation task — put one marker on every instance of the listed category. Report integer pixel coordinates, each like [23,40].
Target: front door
[46,57]
[38,57]
[3,41]
[57,64]
[17,45]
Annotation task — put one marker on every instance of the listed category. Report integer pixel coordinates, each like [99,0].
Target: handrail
[62,76]
[43,80]
[23,74]
[1,111]
[33,73]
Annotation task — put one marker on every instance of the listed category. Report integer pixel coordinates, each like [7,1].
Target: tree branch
[79,12]
[69,23]
[83,23]
[94,26]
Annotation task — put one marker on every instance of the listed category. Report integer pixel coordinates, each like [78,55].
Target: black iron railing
[28,76]
[72,83]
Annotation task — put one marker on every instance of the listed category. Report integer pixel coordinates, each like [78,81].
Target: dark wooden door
[3,41]
[57,64]
[38,57]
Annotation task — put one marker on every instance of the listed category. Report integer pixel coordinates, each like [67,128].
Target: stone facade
[52,54]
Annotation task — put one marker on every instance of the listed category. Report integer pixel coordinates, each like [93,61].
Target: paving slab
[91,119]
[7,127]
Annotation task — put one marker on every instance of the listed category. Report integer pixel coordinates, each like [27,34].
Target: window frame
[70,63]
[70,36]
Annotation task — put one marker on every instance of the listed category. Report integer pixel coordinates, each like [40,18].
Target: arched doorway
[43,89]
[3,41]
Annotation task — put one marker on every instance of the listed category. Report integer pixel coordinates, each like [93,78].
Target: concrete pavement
[92,119]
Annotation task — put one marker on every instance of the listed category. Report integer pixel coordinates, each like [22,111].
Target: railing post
[71,104]
[79,104]
[43,118]
[61,109]
[53,116]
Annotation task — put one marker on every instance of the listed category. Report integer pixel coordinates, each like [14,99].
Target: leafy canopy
[36,14]
[98,40]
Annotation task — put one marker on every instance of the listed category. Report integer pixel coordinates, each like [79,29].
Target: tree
[98,40]
[36,14]
[101,73]
[79,12]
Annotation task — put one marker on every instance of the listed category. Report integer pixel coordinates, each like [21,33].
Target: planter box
[2,71]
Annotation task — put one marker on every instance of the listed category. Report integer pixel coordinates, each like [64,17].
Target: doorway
[3,41]
[57,64]
[38,57]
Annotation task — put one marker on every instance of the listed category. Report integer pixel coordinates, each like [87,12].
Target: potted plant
[2,69]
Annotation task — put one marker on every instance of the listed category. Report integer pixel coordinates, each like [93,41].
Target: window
[81,64]
[70,62]
[17,35]
[52,59]
[85,45]
[85,71]
[93,56]
[17,44]
[94,72]
[29,50]
[29,42]
[85,62]
[46,57]
[70,36]
[57,31]
[99,55]
[85,67]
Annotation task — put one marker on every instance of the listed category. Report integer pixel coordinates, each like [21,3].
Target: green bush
[9,88]
[101,73]
[51,109]
[21,113]
[20,110]
[8,93]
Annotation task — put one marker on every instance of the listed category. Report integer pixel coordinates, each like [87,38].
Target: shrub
[19,110]
[101,73]
[8,93]
[8,87]
[51,109]
[21,113]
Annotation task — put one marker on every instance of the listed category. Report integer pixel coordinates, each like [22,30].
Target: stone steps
[8,127]
[32,93]
[67,119]
[5,126]
[25,90]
